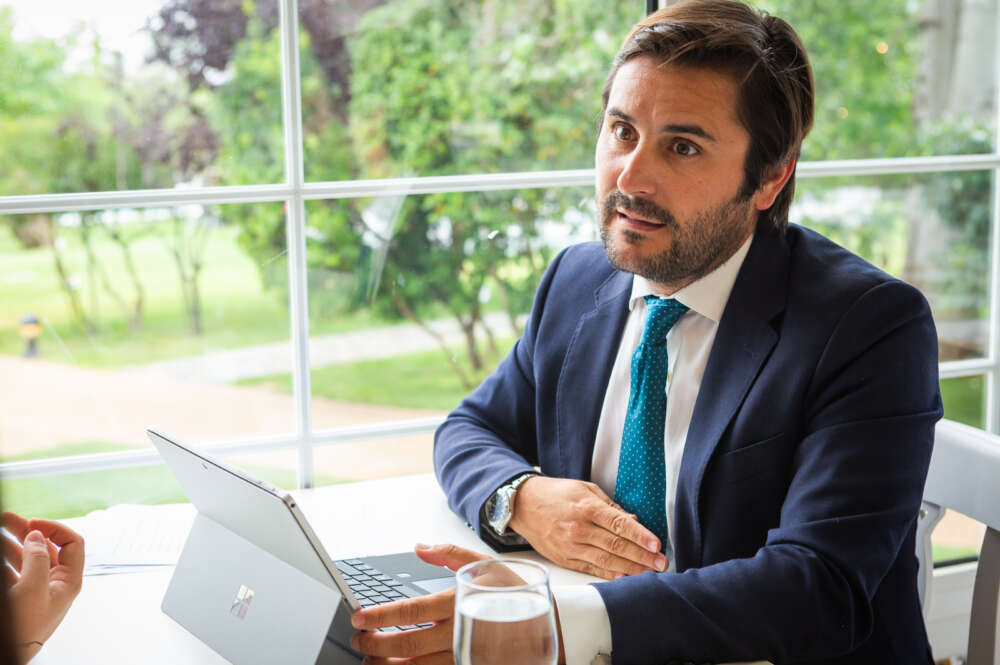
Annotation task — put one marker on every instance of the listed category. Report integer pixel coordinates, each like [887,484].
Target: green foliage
[440,87]
[864,98]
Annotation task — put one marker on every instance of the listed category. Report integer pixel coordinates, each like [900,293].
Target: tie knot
[661,315]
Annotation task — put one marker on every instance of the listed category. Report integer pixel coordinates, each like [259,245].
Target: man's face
[669,167]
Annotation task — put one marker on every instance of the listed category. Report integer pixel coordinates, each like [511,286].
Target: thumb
[35,560]
[452,557]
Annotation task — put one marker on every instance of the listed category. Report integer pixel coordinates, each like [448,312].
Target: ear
[775,182]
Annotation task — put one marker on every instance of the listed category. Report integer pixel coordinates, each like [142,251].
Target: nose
[637,175]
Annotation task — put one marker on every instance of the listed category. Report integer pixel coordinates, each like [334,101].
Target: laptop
[255,583]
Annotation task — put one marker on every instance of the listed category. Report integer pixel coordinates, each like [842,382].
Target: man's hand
[426,646]
[44,576]
[576,525]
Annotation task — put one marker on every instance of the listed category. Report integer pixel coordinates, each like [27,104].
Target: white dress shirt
[586,627]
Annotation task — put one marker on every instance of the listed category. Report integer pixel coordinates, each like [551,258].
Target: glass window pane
[898,78]
[149,95]
[965,400]
[76,494]
[418,87]
[278,467]
[956,537]
[932,230]
[117,320]
[413,300]
[374,458]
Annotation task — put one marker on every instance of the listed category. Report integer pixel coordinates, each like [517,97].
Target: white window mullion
[55,466]
[295,216]
[993,377]
[44,203]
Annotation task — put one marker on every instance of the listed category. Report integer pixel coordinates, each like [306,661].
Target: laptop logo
[242,602]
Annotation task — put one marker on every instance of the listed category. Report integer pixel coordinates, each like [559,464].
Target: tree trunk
[505,302]
[79,313]
[491,339]
[135,320]
[469,330]
[96,268]
[196,322]
[409,314]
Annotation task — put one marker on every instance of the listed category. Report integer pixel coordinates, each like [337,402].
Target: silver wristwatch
[500,506]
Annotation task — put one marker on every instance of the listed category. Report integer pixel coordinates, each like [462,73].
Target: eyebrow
[693,130]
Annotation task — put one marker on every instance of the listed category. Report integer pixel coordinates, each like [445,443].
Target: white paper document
[129,538]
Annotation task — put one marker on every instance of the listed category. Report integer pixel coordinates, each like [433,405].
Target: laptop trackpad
[433,586]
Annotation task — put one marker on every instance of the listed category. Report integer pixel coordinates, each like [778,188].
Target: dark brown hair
[765,57]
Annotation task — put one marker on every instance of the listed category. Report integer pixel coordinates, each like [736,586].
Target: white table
[117,618]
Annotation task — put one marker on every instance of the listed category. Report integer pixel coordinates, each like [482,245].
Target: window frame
[295,191]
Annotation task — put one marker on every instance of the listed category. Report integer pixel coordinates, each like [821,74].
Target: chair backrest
[964,476]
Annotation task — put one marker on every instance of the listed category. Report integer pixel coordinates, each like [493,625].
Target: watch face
[499,509]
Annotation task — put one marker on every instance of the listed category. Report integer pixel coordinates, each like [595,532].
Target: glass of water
[503,614]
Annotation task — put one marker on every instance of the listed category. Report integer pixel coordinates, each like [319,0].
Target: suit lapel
[743,342]
[583,380]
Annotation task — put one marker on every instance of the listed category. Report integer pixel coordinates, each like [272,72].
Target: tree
[442,87]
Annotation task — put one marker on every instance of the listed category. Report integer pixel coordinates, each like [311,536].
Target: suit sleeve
[491,437]
[857,476]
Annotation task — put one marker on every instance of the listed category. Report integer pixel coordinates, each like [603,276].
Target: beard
[696,248]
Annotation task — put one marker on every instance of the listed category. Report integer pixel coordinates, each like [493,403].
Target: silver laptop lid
[263,514]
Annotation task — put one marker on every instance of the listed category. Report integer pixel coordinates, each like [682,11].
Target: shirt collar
[706,295]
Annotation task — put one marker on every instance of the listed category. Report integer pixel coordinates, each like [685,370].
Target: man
[731,417]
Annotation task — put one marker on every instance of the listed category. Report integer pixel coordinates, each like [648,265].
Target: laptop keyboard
[373,587]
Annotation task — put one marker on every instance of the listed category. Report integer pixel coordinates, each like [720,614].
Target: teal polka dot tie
[641,486]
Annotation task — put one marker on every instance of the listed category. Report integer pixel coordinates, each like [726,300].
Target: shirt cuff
[583,618]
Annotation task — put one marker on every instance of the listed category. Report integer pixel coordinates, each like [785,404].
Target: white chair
[964,476]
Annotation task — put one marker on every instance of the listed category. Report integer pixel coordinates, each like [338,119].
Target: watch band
[509,489]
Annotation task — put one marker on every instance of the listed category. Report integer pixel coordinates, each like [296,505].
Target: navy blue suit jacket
[802,471]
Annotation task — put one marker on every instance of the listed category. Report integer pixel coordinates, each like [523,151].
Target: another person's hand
[44,576]
[426,646]
[576,525]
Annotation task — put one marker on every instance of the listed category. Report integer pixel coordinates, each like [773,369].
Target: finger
[600,494]
[609,565]
[590,569]
[71,545]
[10,577]
[452,557]
[12,552]
[35,564]
[405,644]
[16,525]
[620,523]
[439,658]
[640,558]
[425,609]
[57,532]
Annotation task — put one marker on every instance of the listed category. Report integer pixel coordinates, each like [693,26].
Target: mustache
[643,207]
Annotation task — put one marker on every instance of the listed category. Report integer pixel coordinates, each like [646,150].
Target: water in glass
[503,614]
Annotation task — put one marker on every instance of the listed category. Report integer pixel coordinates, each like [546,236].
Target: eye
[685,149]
[622,131]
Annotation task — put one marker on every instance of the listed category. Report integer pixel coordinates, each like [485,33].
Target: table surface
[117,618]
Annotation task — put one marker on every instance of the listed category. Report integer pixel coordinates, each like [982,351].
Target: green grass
[237,311]
[965,400]
[423,380]
[942,553]
[72,495]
